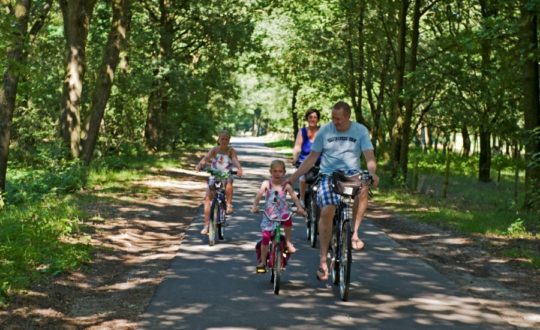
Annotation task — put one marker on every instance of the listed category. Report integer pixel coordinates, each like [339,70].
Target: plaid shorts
[325,194]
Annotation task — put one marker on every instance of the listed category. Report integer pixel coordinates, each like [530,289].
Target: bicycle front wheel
[314,231]
[346,260]
[335,253]
[276,269]
[214,218]
[309,219]
[221,221]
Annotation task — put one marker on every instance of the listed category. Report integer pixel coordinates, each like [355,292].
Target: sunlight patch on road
[191,185]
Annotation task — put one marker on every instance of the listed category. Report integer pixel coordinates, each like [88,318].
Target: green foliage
[42,227]
[470,207]
[32,244]
[517,228]
[32,184]
[281,144]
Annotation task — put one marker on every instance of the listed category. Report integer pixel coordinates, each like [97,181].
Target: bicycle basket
[215,183]
[311,175]
[346,185]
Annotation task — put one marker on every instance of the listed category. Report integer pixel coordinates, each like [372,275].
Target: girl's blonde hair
[277,162]
[224,132]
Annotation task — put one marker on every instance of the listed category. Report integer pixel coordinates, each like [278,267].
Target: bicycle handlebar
[220,173]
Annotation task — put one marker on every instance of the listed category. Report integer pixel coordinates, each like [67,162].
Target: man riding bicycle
[341,143]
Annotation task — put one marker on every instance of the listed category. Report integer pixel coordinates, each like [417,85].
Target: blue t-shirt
[341,150]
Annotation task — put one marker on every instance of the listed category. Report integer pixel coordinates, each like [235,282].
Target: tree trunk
[8,91]
[361,64]
[158,101]
[376,100]
[397,115]
[484,173]
[294,111]
[531,103]
[466,140]
[429,137]
[409,104]
[77,15]
[484,168]
[356,80]
[115,44]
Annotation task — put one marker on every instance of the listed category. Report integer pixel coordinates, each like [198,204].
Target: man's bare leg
[359,210]
[325,234]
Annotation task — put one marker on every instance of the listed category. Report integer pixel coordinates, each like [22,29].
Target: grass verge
[42,231]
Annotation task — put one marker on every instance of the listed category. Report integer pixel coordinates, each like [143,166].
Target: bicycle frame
[341,243]
[277,257]
[312,211]
[218,206]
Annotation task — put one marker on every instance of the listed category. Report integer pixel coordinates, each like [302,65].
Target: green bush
[32,245]
[31,184]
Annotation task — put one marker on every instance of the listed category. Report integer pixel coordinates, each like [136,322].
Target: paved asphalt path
[217,288]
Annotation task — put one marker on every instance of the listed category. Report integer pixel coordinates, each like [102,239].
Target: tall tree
[355,46]
[121,16]
[77,15]
[15,57]
[531,102]
[399,77]
[488,12]
[164,18]
[412,83]
[8,92]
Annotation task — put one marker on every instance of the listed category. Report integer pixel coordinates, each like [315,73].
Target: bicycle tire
[276,269]
[221,222]
[314,209]
[335,253]
[346,260]
[214,216]
[307,203]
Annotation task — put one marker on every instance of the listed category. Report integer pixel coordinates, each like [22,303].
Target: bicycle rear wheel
[346,260]
[276,269]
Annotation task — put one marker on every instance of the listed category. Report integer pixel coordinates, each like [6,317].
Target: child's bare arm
[236,163]
[260,193]
[205,160]
[295,199]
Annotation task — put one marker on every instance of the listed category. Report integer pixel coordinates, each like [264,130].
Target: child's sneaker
[261,269]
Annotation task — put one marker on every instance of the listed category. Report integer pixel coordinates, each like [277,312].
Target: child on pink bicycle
[275,206]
